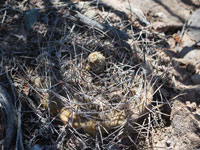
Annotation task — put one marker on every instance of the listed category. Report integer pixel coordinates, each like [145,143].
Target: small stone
[187,41]
[193,26]
[160,26]
[189,53]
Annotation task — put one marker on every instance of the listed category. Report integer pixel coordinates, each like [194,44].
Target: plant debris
[98,75]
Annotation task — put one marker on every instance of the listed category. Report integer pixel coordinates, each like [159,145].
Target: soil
[152,49]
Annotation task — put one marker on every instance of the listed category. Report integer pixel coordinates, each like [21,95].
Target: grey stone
[194,26]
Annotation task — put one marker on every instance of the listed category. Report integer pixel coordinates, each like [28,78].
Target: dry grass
[103,109]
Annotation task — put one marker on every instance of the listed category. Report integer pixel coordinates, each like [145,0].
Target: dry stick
[139,14]
[7,104]
[12,8]
[11,85]
[180,86]
[19,131]
[111,31]
[4,16]
[1,71]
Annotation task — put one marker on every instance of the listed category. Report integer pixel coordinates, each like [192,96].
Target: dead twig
[19,130]
[110,31]
[7,104]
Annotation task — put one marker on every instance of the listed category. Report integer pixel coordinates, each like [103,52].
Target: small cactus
[96,63]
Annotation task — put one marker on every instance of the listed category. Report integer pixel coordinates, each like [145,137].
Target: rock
[194,26]
[190,38]
[183,134]
[168,8]
[159,26]
[188,50]
[187,41]
[185,127]
[188,53]
[196,78]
